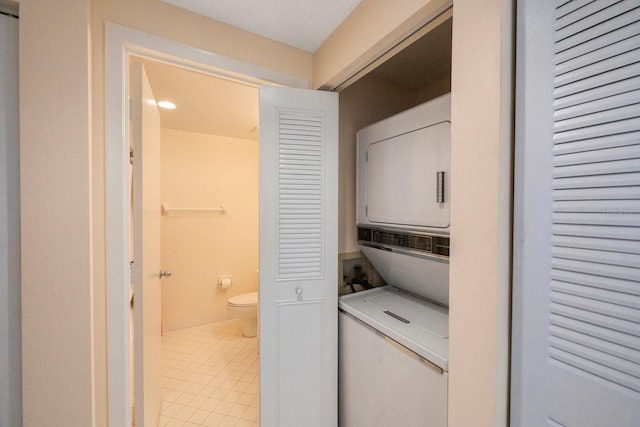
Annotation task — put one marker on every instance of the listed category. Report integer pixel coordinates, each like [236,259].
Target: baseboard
[172,325]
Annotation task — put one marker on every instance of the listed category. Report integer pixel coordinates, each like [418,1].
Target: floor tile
[251,414]
[210,377]
[184,398]
[199,416]
[174,423]
[229,421]
[185,413]
[213,420]
[237,410]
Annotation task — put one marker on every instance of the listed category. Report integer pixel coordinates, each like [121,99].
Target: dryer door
[407,178]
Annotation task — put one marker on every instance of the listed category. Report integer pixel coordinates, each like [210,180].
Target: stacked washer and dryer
[394,339]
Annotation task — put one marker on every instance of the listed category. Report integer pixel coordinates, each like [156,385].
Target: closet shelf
[168,210]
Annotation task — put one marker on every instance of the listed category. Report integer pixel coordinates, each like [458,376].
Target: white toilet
[245,308]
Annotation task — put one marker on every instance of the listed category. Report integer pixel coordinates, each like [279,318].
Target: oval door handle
[165,273]
[440,187]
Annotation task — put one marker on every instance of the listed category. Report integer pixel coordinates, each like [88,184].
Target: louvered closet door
[298,257]
[576,327]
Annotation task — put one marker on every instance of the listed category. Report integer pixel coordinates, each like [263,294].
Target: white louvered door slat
[298,257]
[588,156]
[630,179]
[615,72]
[576,355]
[581,12]
[607,141]
[570,6]
[597,331]
[621,28]
[620,193]
[597,206]
[592,64]
[597,94]
[572,283]
[578,241]
[598,12]
[598,105]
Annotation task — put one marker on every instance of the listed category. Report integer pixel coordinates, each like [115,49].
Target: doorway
[209,232]
[209,192]
[121,44]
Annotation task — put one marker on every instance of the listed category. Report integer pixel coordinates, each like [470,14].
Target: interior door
[298,257]
[576,312]
[145,132]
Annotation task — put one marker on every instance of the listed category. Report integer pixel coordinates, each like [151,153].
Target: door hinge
[366,210]
[134,272]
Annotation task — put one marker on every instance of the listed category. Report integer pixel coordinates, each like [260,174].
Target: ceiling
[422,62]
[204,104]
[211,105]
[304,24]
[217,106]
[9,6]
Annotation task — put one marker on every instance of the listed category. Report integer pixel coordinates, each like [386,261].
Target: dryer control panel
[401,240]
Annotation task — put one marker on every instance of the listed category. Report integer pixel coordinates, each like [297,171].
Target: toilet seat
[244,300]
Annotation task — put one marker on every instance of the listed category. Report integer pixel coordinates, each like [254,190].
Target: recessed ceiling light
[166,105]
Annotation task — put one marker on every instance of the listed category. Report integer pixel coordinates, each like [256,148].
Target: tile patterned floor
[210,377]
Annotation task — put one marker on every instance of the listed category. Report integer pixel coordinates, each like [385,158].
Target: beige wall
[157,17]
[207,171]
[56,213]
[433,90]
[367,33]
[480,213]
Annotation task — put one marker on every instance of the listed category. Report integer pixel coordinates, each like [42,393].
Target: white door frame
[120,44]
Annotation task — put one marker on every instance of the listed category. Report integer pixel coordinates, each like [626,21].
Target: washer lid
[428,318]
[250,298]
[419,325]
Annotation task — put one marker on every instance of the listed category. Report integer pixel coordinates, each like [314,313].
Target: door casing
[120,44]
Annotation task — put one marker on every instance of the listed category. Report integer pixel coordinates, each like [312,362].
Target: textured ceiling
[304,24]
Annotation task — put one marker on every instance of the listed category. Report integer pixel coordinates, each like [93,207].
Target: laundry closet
[418,73]
[394,340]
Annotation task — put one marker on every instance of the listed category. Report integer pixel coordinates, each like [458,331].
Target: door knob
[165,273]
[299,293]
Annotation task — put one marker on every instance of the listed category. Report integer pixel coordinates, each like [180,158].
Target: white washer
[393,364]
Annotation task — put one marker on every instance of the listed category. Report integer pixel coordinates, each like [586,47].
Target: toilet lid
[250,298]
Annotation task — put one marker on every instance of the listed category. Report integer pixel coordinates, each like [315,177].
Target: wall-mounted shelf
[168,210]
